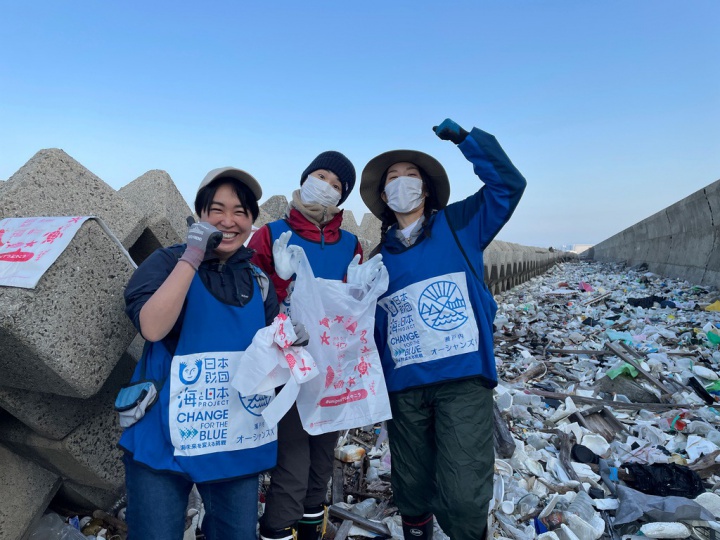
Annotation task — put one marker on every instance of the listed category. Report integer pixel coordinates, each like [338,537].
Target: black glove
[450,131]
[202,238]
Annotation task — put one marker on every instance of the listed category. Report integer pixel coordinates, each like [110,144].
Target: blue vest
[328,260]
[434,323]
[201,427]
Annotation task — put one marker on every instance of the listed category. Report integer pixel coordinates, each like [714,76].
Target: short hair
[204,198]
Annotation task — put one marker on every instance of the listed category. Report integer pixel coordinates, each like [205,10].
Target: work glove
[363,275]
[286,258]
[450,131]
[202,239]
[303,338]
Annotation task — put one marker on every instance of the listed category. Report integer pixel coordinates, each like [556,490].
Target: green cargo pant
[441,442]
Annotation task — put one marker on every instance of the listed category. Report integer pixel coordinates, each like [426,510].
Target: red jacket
[263,257]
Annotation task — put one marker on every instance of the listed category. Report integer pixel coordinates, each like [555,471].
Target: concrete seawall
[681,241]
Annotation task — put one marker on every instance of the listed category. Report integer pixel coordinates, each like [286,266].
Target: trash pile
[608,417]
[606,414]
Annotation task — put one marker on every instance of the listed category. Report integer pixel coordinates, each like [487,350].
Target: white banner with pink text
[30,245]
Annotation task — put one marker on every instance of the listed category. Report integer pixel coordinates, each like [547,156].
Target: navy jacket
[231,283]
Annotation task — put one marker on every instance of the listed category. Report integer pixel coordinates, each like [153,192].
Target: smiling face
[328,177]
[228,214]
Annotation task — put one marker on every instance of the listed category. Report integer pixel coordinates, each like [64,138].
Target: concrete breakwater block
[54,184]
[275,207]
[26,489]
[78,497]
[55,417]
[88,456]
[165,212]
[66,335]
[370,231]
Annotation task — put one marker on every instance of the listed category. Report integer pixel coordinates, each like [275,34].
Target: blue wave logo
[442,306]
[255,404]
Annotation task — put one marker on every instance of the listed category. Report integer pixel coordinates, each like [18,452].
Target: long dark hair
[388,219]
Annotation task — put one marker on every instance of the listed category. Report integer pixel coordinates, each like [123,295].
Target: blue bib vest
[201,427]
[434,323]
[328,260]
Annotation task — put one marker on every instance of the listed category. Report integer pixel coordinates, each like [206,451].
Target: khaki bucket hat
[231,172]
[372,177]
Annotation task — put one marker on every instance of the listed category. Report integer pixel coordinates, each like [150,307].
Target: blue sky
[610,109]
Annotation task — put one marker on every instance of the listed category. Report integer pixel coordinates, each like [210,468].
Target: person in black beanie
[295,502]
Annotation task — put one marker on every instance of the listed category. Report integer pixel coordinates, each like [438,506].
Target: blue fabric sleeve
[480,217]
[147,279]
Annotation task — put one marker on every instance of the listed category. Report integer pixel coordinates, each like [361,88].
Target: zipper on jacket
[322,229]
[220,268]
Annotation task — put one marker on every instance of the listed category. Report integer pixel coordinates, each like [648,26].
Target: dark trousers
[441,441]
[303,470]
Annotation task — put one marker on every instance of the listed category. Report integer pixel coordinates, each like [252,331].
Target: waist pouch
[134,400]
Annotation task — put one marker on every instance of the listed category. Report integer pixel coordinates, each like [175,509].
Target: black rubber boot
[418,527]
[313,523]
[288,533]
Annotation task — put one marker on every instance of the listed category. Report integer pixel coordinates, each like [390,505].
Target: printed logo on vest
[255,404]
[442,306]
[191,375]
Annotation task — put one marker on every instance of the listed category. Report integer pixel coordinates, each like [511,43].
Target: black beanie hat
[337,163]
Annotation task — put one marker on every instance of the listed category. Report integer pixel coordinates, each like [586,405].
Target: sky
[611,110]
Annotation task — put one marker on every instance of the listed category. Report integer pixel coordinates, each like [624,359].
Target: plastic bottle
[364,508]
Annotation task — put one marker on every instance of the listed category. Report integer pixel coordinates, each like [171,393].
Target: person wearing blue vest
[198,305]
[296,499]
[434,328]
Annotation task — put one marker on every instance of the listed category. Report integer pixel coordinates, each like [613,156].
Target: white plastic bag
[272,360]
[340,319]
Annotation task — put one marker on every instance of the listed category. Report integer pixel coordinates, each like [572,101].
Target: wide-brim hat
[374,171]
[231,172]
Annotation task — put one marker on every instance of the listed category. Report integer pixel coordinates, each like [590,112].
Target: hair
[204,198]
[432,205]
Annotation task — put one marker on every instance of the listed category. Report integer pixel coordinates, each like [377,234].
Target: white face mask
[404,194]
[316,191]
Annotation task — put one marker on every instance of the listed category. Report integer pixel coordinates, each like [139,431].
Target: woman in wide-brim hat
[434,328]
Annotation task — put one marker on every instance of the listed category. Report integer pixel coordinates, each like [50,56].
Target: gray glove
[303,338]
[202,239]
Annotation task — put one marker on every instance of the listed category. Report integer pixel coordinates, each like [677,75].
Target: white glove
[286,257]
[363,275]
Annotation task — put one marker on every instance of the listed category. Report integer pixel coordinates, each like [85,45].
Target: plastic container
[582,506]
[364,508]
[350,453]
